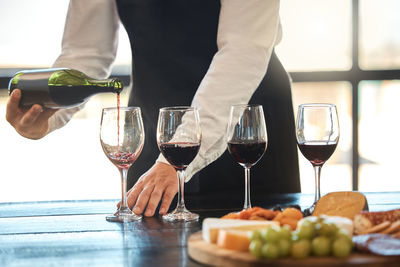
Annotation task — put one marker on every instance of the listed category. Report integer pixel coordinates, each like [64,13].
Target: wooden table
[75,233]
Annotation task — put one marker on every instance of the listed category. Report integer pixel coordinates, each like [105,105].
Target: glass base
[310,210]
[180,216]
[123,215]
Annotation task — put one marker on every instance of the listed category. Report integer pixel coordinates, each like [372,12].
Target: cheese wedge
[343,204]
[233,239]
[211,226]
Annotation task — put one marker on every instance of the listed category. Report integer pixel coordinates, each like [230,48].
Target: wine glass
[179,138]
[317,132]
[122,139]
[247,140]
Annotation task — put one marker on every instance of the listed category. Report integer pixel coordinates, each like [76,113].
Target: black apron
[173,43]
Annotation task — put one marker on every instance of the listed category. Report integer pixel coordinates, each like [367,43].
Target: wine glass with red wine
[122,139]
[179,138]
[317,132]
[247,140]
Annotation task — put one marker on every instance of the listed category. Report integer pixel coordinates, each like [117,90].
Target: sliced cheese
[211,226]
[233,239]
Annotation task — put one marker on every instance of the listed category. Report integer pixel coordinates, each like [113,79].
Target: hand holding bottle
[59,88]
[45,91]
[32,123]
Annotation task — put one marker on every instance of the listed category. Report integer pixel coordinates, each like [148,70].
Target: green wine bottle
[59,88]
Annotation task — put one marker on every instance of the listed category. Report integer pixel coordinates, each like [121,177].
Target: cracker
[377,228]
[393,228]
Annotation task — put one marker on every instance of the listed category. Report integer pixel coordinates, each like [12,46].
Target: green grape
[321,246]
[255,235]
[327,229]
[301,249]
[335,229]
[295,236]
[341,248]
[255,248]
[306,230]
[286,232]
[271,234]
[270,251]
[345,235]
[284,246]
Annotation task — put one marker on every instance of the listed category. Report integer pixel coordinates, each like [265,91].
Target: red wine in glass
[179,154]
[247,140]
[317,153]
[247,153]
[179,139]
[317,133]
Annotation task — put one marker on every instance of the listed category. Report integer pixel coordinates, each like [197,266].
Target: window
[316,35]
[379,37]
[379,128]
[358,72]
[340,51]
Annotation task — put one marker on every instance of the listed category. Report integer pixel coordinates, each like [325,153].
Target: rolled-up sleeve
[89,44]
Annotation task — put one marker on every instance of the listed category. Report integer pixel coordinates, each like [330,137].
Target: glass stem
[317,170]
[247,203]
[181,182]
[124,203]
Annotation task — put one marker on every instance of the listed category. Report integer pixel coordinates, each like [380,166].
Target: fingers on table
[159,183]
[169,195]
[133,194]
[150,196]
[154,200]
[143,199]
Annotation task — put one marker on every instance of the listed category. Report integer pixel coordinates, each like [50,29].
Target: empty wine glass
[122,139]
[179,138]
[317,132]
[247,140]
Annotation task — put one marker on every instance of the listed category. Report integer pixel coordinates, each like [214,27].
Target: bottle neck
[113,85]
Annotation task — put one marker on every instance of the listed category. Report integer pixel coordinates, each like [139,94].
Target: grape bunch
[312,237]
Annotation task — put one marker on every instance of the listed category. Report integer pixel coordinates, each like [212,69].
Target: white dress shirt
[247,33]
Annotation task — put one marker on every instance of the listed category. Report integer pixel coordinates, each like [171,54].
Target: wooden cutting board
[211,254]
